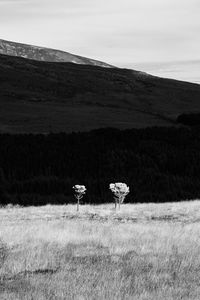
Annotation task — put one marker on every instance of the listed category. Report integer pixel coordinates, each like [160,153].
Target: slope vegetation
[45,54]
[47,96]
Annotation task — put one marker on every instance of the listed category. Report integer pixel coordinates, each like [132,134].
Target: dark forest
[159,165]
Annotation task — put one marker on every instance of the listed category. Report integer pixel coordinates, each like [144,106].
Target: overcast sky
[120,32]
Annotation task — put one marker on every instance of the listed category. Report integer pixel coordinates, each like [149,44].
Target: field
[142,252]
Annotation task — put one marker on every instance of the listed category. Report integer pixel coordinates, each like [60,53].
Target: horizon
[177,70]
[131,33]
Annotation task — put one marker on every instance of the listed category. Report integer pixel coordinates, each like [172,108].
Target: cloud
[10,2]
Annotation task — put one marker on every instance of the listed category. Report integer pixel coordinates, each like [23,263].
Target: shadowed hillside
[45,96]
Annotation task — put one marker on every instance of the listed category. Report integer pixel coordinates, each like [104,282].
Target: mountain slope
[44,54]
[47,96]
[187,70]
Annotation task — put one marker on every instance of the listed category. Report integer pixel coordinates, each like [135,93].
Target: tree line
[158,164]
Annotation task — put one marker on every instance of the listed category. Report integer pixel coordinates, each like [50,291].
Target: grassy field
[143,252]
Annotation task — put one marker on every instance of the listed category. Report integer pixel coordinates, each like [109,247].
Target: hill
[45,54]
[40,97]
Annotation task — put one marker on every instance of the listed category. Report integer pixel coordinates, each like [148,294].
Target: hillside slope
[45,54]
[46,96]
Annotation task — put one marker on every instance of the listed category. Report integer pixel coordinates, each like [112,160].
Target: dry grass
[143,252]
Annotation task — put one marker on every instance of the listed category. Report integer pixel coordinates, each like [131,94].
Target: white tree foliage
[120,191]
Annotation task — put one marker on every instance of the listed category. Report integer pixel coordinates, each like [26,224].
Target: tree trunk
[78,204]
[115,204]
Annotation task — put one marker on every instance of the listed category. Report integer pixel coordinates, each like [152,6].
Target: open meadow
[142,252]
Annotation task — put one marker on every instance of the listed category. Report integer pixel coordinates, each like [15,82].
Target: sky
[155,35]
